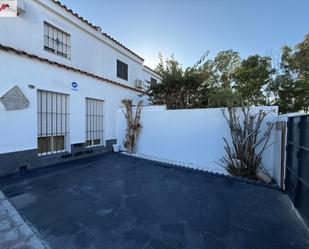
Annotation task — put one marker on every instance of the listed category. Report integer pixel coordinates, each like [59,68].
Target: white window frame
[94,110]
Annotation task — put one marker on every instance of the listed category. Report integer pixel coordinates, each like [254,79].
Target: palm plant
[134,125]
[244,154]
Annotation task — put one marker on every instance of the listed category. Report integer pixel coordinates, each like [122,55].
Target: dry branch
[134,125]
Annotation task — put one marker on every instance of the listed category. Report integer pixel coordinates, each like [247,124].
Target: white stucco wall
[18,129]
[192,136]
[146,76]
[90,50]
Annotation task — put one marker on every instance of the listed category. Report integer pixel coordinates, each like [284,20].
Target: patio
[118,201]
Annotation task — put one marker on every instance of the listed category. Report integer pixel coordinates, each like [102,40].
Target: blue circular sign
[74,85]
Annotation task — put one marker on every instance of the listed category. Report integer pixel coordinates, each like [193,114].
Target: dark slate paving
[117,201]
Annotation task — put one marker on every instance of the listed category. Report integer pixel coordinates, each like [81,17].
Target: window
[153,81]
[56,41]
[122,70]
[94,122]
[52,122]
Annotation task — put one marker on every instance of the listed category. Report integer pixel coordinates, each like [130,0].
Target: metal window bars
[52,120]
[122,70]
[57,41]
[94,122]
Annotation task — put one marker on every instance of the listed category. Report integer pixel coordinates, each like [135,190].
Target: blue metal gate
[297,164]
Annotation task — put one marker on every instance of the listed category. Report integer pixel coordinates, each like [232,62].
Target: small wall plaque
[74,86]
[14,99]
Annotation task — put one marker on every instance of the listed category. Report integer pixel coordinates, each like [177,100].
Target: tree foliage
[252,77]
[291,85]
[225,64]
[178,88]
[206,84]
[229,80]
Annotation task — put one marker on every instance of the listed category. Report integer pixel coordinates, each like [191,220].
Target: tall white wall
[192,136]
[18,129]
[90,50]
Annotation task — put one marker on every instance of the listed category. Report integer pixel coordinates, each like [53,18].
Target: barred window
[52,122]
[122,70]
[57,41]
[153,81]
[94,122]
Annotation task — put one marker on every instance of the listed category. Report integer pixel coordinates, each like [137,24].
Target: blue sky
[188,28]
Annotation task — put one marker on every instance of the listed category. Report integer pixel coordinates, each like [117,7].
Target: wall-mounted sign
[14,99]
[74,86]
[8,8]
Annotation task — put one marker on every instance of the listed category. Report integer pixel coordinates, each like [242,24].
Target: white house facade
[62,81]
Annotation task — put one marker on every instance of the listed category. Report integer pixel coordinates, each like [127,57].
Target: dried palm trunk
[133,124]
[242,157]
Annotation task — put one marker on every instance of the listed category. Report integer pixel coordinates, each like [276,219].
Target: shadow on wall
[192,136]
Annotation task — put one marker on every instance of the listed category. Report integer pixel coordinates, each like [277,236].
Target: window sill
[58,55]
[123,79]
[50,154]
[94,146]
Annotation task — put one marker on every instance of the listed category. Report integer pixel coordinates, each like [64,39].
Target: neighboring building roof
[35,57]
[153,71]
[97,28]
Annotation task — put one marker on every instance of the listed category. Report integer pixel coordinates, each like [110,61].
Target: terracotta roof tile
[97,28]
[35,57]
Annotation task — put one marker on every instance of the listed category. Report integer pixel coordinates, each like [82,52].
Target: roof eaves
[35,57]
[97,28]
[150,69]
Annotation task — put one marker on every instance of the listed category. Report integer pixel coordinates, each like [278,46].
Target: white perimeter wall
[18,129]
[193,136]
